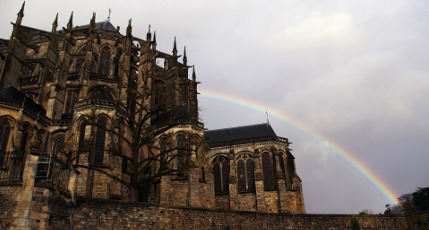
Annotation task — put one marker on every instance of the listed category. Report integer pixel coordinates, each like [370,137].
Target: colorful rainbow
[387,192]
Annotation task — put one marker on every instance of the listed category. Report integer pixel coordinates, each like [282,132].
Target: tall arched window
[245,174]
[4,138]
[163,153]
[104,63]
[267,169]
[100,140]
[221,175]
[81,142]
[70,100]
[181,152]
[282,165]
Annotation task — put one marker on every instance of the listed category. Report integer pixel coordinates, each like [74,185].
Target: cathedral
[89,112]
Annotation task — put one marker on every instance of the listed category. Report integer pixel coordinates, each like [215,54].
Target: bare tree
[135,139]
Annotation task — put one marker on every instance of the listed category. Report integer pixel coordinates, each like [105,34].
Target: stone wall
[101,214]
[8,205]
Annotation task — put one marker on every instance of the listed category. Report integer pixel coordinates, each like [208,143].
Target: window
[245,174]
[70,100]
[100,92]
[282,166]
[57,146]
[221,175]
[4,138]
[163,153]
[181,153]
[82,135]
[267,169]
[100,140]
[104,64]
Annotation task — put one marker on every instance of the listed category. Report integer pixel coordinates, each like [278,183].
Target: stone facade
[88,112]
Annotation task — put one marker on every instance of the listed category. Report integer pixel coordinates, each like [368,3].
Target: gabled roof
[240,134]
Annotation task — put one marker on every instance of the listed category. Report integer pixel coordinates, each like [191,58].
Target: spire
[55,24]
[70,23]
[194,77]
[129,28]
[20,14]
[154,41]
[174,48]
[92,24]
[108,18]
[148,35]
[185,59]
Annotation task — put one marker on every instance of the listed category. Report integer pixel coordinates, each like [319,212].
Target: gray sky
[355,71]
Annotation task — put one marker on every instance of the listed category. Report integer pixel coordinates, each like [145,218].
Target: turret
[129,28]
[194,76]
[148,35]
[20,14]
[70,23]
[92,24]
[185,59]
[154,41]
[175,48]
[55,24]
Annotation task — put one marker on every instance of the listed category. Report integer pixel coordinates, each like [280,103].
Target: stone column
[25,197]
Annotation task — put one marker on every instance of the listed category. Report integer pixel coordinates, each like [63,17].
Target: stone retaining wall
[101,214]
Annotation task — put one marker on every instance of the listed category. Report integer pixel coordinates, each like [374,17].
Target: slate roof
[104,25]
[240,134]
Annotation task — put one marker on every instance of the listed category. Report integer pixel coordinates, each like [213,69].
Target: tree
[421,199]
[410,203]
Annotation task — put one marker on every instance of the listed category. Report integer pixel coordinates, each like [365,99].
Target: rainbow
[387,192]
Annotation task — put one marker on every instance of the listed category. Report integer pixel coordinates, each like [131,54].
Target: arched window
[104,64]
[57,146]
[246,174]
[78,66]
[4,138]
[221,175]
[163,153]
[181,152]
[100,93]
[100,140]
[70,100]
[267,169]
[81,142]
[282,165]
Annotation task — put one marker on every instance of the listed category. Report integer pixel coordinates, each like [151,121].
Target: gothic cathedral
[89,112]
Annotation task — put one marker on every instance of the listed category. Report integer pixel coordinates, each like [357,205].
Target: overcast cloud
[355,71]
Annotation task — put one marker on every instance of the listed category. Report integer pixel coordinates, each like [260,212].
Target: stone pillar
[25,197]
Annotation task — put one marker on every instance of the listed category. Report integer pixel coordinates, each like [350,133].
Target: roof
[104,25]
[238,134]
